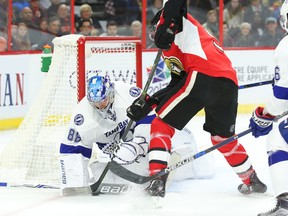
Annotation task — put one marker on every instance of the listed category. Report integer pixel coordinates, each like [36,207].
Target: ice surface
[207,197]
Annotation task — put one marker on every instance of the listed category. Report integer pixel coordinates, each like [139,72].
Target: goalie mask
[100,94]
[283,15]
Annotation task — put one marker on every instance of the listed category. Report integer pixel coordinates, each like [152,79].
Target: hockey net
[31,158]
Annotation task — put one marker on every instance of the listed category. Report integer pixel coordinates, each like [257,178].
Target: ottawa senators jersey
[194,49]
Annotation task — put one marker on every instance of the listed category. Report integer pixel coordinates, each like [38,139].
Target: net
[31,158]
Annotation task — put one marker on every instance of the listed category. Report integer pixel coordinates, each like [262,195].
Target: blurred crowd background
[30,24]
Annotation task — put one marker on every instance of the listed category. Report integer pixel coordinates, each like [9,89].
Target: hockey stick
[94,187]
[256,84]
[113,189]
[138,179]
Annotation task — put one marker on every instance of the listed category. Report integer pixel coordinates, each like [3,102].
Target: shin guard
[160,145]
[236,156]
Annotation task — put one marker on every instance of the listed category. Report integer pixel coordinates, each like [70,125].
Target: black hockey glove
[140,109]
[165,35]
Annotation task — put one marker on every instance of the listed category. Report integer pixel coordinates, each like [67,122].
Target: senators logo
[174,65]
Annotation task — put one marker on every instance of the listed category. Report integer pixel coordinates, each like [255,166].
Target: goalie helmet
[283,15]
[100,94]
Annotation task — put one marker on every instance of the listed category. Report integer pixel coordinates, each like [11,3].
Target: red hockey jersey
[194,49]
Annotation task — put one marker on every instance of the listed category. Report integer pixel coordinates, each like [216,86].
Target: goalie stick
[138,179]
[112,189]
[94,187]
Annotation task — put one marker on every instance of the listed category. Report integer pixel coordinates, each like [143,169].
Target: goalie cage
[31,158]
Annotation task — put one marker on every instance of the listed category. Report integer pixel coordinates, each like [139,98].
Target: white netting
[31,156]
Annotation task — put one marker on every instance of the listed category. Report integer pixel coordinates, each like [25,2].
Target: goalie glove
[140,109]
[130,152]
[110,147]
[260,123]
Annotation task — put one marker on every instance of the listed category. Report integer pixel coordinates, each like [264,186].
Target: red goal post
[124,46]
[31,157]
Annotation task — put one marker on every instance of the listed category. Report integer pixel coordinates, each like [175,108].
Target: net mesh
[32,155]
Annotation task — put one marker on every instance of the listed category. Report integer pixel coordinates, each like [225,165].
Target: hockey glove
[140,109]
[261,124]
[165,35]
[110,147]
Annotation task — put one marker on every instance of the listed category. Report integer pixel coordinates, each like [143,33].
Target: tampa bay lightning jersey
[278,102]
[88,126]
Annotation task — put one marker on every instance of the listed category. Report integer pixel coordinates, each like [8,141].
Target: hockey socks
[236,156]
[160,145]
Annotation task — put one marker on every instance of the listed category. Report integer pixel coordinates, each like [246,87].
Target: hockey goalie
[94,137]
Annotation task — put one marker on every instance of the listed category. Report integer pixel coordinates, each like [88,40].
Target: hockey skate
[156,187]
[255,186]
[281,208]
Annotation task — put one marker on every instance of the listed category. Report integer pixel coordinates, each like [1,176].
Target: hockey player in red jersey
[202,77]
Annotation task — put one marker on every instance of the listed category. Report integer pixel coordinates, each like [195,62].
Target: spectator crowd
[34,23]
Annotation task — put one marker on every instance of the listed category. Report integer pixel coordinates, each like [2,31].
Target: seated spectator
[211,25]
[14,27]
[200,8]
[21,40]
[233,16]
[136,28]
[52,32]
[255,14]
[85,27]
[3,44]
[53,8]
[20,4]
[43,25]
[38,11]
[115,10]
[153,9]
[245,38]
[111,29]
[86,13]
[228,40]
[272,35]
[65,21]
[3,12]
[133,11]
[275,8]
[26,16]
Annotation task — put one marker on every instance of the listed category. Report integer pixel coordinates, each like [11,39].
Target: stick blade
[126,174]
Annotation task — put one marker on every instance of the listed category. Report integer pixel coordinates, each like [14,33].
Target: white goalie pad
[184,146]
[74,171]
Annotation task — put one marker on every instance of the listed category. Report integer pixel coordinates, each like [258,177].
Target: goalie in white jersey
[261,123]
[100,118]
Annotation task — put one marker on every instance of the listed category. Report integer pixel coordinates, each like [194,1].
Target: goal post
[128,46]
[31,157]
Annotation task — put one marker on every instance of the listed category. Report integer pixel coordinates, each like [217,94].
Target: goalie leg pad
[74,171]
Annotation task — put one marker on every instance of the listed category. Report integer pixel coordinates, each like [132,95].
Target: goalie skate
[281,208]
[255,186]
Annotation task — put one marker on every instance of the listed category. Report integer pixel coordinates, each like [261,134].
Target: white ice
[215,196]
